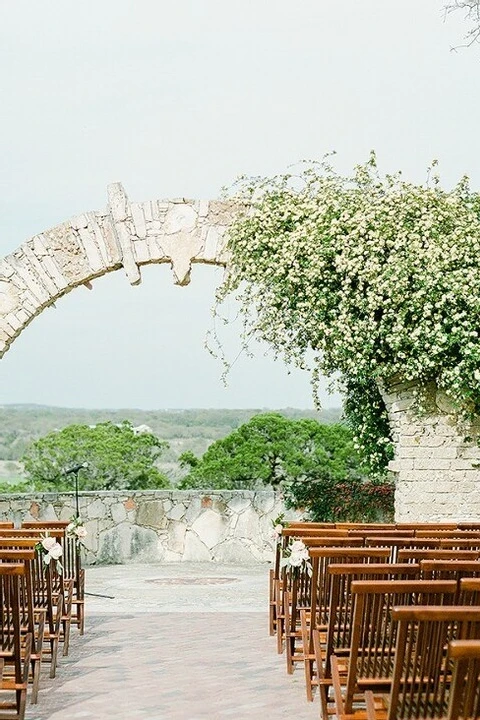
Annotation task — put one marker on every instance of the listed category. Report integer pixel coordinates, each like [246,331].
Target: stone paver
[211,658]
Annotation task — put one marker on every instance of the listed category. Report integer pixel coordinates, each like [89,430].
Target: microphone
[76,468]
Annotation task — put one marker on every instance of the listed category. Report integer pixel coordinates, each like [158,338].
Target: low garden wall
[161,525]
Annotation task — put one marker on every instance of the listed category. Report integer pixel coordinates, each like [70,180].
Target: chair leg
[54,640]
[271,603]
[67,619]
[323,684]
[308,657]
[280,616]
[36,667]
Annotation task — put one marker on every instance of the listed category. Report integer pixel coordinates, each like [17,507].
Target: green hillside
[193,429]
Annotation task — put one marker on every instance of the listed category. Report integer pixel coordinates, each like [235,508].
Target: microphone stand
[75,471]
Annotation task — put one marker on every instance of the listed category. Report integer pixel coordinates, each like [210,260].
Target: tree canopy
[377,276]
[118,456]
[270,450]
[316,467]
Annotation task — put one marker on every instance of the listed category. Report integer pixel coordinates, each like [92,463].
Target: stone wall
[437,459]
[161,525]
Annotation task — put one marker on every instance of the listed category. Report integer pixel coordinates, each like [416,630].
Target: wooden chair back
[465,688]
[15,649]
[320,581]
[340,615]
[374,635]
[422,673]
[469,590]
[409,555]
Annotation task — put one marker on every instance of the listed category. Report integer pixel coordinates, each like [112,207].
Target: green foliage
[271,450]
[327,498]
[378,276]
[117,457]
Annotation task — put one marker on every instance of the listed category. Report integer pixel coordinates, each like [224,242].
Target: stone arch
[128,235]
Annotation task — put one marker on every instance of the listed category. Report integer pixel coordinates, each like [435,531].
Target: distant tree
[268,450]
[118,457]
[316,466]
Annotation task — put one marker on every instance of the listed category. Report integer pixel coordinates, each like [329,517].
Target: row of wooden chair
[37,608]
[343,620]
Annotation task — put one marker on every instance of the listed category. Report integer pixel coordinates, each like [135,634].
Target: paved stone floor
[174,642]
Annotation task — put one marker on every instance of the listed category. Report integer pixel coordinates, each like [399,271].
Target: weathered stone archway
[436,468]
[128,235]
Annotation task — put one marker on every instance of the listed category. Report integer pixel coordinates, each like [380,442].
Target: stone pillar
[437,459]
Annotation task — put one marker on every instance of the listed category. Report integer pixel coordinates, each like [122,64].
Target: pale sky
[177,99]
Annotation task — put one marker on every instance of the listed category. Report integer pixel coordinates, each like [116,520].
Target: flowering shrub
[376,275]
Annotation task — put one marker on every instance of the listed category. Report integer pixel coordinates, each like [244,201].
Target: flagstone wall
[161,525]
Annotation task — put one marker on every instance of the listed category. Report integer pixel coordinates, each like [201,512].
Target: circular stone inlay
[192,580]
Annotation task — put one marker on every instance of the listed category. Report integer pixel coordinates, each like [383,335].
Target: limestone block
[179,218]
[48,513]
[139,220]
[209,527]
[264,502]
[96,509]
[90,542]
[432,464]
[151,514]
[176,537]
[248,524]
[69,254]
[127,543]
[120,211]
[176,512]
[194,509]
[119,514]
[234,551]
[195,550]
[239,503]
[401,465]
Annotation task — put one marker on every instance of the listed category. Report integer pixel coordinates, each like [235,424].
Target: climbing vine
[377,276]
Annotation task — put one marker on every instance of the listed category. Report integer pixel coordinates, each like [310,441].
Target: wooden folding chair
[373,639]
[46,596]
[73,575]
[465,687]
[31,621]
[15,648]
[315,615]
[340,615]
[422,675]
[281,583]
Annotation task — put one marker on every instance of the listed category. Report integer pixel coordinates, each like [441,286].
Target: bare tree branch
[471,9]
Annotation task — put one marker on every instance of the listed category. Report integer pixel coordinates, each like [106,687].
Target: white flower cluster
[378,276]
[296,556]
[77,529]
[277,532]
[52,550]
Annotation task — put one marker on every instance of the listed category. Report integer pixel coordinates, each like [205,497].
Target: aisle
[184,665]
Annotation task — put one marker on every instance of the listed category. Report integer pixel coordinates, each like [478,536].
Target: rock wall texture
[128,235]
[437,458]
[161,525]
